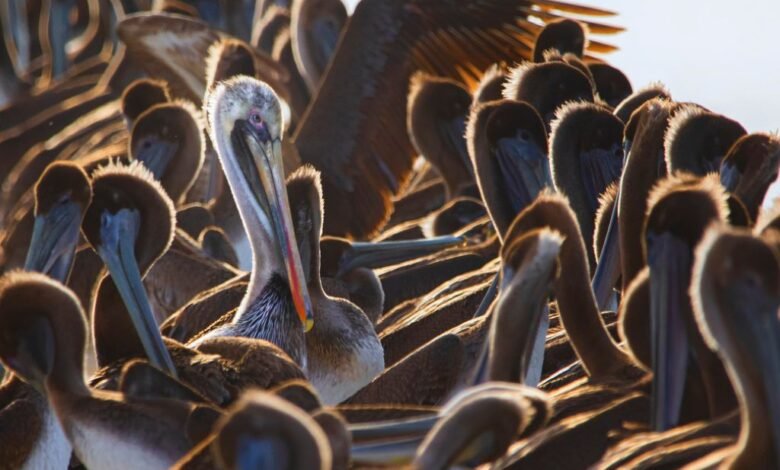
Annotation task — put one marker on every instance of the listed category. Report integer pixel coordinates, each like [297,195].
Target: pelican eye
[259,125]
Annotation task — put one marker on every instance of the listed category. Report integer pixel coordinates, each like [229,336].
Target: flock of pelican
[430,234]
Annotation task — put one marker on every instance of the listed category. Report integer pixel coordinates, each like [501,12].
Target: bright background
[719,53]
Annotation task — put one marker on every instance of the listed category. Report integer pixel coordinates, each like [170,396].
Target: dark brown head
[141,95]
[264,431]
[547,86]
[168,139]
[304,191]
[749,167]
[62,195]
[477,426]
[612,85]
[436,121]
[42,330]
[491,85]
[562,35]
[133,188]
[62,182]
[631,103]
[684,206]
[698,140]
[508,148]
[586,156]
[228,58]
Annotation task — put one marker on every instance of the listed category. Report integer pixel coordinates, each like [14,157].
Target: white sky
[719,53]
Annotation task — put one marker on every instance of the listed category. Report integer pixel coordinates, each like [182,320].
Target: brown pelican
[564,36]
[436,120]
[475,426]
[736,293]
[246,127]
[168,139]
[141,95]
[612,85]
[508,149]
[48,347]
[116,225]
[586,156]
[749,167]
[262,431]
[698,140]
[62,196]
[680,208]
[533,83]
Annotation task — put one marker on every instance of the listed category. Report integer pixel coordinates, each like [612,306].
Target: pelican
[259,431]
[48,347]
[245,125]
[586,156]
[749,167]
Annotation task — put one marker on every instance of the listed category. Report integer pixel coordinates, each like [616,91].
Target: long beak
[453,131]
[729,177]
[396,429]
[395,452]
[269,168]
[118,233]
[526,170]
[768,343]
[375,255]
[608,267]
[58,36]
[598,169]
[259,453]
[533,353]
[158,157]
[669,263]
[54,239]
[14,19]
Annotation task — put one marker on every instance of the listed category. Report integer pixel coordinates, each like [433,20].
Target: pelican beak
[395,429]
[608,267]
[524,163]
[395,452]
[598,168]
[259,453]
[729,177]
[118,233]
[58,28]
[375,255]
[264,172]
[54,239]
[669,260]
[158,156]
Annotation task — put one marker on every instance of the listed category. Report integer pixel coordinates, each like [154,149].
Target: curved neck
[590,339]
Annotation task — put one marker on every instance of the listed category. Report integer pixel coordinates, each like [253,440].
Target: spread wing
[354,131]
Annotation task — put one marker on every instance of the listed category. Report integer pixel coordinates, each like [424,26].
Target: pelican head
[246,125]
[62,195]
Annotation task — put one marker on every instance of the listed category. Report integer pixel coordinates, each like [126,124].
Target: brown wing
[175,48]
[354,130]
